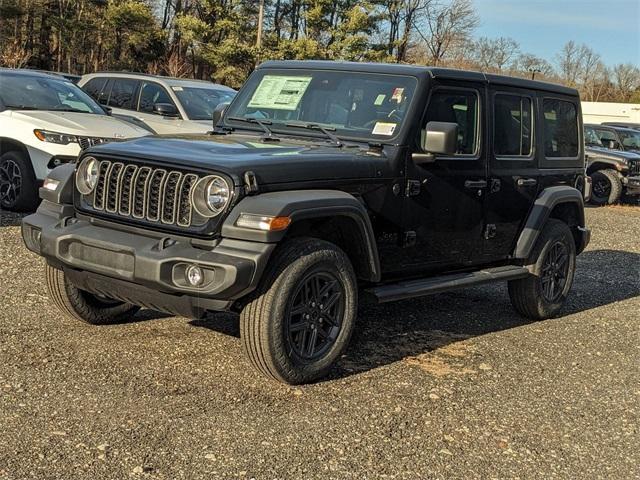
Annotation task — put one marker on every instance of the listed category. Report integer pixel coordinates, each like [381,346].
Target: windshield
[630,139]
[352,104]
[591,138]
[24,92]
[199,102]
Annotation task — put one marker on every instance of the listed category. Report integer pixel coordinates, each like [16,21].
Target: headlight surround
[55,137]
[87,175]
[211,196]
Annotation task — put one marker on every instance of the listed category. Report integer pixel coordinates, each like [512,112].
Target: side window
[103,96]
[513,127]
[560,129]
[94,86]
[150,94]
[122,93]
[456,106]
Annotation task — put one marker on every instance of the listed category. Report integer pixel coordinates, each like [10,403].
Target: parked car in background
[45,121]
[159,104]
[613,172]
[634,126]
[617,138]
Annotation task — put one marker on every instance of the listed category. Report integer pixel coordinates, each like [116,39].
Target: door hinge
[409,238]
[413,188]
[490,231]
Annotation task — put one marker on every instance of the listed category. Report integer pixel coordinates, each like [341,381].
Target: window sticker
[380,99]
[175,88]
[384,128]
[279,92]
[397,94]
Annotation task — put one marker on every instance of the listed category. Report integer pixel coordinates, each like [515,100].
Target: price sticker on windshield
[384,128]
[279,92]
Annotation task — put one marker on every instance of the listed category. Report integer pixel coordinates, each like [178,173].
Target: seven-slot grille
[151,194]
[634,167]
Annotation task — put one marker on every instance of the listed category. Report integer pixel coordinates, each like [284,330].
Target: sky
[542,27]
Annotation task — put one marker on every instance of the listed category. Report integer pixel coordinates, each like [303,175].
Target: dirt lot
[450,386]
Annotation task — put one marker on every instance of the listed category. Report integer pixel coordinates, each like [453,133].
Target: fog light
[194,275]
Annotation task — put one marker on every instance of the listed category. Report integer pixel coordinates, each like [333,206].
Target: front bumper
[144,268]
[632,185]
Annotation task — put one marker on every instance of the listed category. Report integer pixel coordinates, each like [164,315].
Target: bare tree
[495,54]
[446,25]
[626,79]
[527,64]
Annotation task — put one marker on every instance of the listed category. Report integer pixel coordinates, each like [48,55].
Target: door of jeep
[513,168]
[444,199]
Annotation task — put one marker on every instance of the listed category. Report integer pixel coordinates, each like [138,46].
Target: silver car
[158,104]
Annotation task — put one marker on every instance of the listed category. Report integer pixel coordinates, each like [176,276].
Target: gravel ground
[450,386]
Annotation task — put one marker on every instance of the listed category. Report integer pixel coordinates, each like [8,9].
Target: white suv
[163,105]
[45,120]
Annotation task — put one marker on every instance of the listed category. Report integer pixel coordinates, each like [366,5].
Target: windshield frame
[281,129]
[80,94]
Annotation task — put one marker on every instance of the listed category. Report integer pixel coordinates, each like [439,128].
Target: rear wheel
[553,259]
[18,189]
[606,187]
[85,306]
[302,317]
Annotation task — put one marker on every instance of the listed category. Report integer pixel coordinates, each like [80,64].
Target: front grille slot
[634,167]
[152,194]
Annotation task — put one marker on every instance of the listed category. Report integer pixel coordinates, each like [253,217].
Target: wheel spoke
[312,341]
[296,327]
[331,301]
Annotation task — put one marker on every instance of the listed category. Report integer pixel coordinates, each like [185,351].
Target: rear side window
[94,86]
[560,129]
[461,107]
[122,93]
[513,125]
[150,94]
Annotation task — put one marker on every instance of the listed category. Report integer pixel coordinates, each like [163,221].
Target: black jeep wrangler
[322,181]
[614,172]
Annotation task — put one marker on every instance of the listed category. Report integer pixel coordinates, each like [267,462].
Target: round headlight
[211,196]
[87,175]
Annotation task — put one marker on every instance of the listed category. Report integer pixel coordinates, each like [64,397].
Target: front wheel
[606,187]
[302,317]
[81,305]
[18,189]
[553,259]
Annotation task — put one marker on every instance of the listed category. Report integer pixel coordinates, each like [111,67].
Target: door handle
[527,182]
[475,183]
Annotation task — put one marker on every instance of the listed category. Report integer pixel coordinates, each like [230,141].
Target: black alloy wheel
[10,182]
[314,316]
[602,187]
[555,270]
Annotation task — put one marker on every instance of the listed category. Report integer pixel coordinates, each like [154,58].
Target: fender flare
[63,194]
[539,214]
[301,205]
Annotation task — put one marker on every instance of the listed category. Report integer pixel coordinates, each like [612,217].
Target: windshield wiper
[262,123]
[314,126]
[21,107]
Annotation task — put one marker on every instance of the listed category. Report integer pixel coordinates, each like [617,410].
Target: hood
[285,161]
[619,155]
[83,124]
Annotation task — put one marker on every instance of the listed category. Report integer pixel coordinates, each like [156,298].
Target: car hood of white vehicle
[83,124]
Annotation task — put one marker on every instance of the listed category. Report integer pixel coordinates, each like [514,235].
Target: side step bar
[444,283]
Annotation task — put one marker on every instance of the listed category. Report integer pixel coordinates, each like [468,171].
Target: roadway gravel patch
[450,386]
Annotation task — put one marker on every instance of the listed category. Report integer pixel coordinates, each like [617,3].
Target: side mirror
[165,109]
[218,113]
[439,138]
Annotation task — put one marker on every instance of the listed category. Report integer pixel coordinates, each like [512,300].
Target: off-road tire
[527,294]
[84,306]
[27,198]
[264,320]
[615,187]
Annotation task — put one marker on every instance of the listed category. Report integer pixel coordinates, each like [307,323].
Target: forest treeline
[220,40]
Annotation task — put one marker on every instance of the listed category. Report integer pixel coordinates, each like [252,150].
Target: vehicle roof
[168,81]
[612,127]
[29,73]
[422,71]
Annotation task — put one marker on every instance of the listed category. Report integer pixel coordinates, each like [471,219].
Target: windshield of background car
[199,102]
[591,137]
[630,139]
[354,104]
[24,92]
